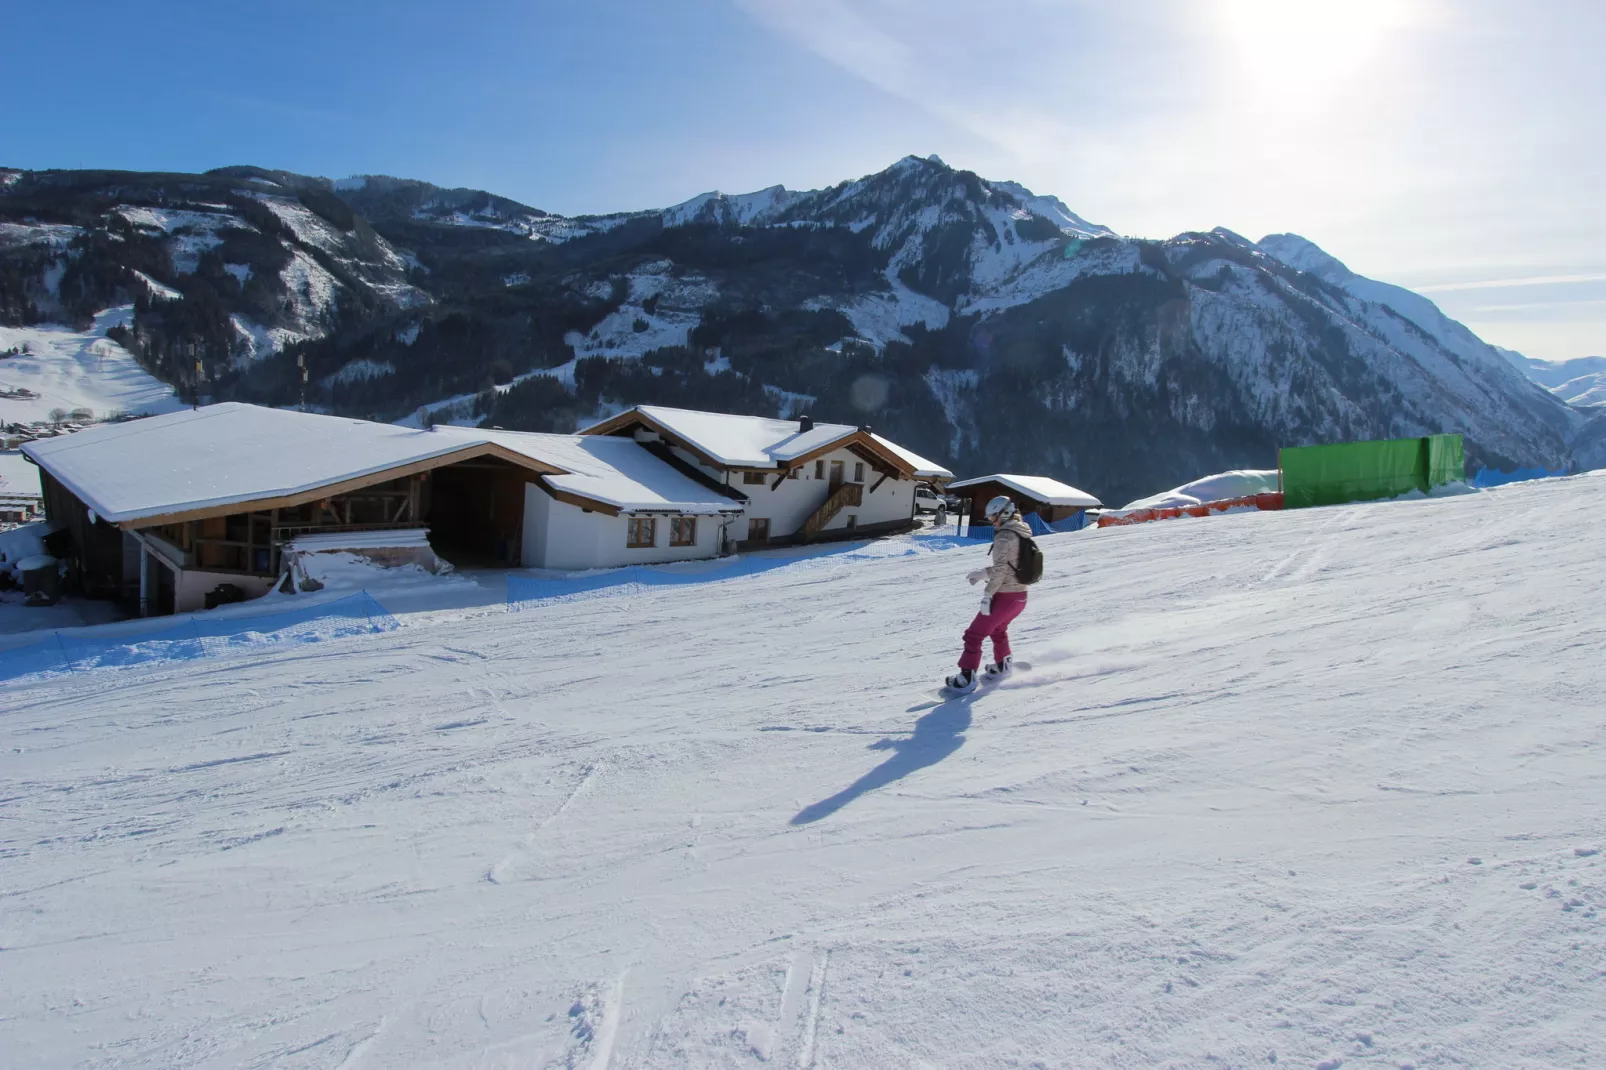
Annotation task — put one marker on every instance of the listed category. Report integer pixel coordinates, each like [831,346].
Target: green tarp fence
[1365,471]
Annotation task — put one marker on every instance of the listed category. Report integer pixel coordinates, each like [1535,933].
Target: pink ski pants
[1007,605]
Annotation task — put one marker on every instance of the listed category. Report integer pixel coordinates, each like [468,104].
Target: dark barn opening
[476,512]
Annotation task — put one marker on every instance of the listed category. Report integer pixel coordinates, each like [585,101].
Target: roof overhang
[303,495]
[597,505]
[1080,500]
[862,443]
[634,418]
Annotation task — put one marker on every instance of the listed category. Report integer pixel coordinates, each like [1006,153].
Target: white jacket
[1006,554]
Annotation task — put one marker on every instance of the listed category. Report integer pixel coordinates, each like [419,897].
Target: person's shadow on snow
[936,735]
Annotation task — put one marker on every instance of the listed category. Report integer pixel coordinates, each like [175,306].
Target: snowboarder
[1003,601]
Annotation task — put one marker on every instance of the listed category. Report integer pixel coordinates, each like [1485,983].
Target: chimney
[805,424]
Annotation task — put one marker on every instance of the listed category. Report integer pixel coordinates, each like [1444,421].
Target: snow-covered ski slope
[66,370]
[1322,785]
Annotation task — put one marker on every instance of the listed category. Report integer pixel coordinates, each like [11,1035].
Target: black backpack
[1028,560]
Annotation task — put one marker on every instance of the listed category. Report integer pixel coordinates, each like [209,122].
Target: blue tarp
[1039,526]
[198,637]
[1489,477]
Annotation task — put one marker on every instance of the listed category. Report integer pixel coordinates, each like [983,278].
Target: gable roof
[614,472]
[1037,488]
[210,461]
[204,459]
[730,441]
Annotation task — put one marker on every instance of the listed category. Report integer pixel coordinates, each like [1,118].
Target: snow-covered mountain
[986,324]
[1581,381]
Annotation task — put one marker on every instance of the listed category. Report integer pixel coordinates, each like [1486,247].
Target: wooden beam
[617,422]
[346,486]
[863,440]
[782,478]
[575,499]
[880,481]
[874,460]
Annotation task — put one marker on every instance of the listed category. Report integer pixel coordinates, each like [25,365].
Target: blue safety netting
[1075,522]
[198,637]
[523,590]
[1489,477]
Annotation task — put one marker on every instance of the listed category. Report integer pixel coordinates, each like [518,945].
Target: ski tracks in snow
[815,992]
[510,865]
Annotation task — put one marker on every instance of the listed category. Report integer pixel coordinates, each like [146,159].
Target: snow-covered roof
[759,441]
[235,453]
[1037,488]
[614,471]
[223,455]
[924,469]
[392,539]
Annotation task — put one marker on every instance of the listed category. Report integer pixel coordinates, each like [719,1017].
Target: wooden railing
[845,495]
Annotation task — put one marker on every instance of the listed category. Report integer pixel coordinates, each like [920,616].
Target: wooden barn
[1050,499]
[164,510]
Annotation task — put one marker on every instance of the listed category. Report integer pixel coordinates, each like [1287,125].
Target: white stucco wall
[563,536]
[537,507]
[795,500]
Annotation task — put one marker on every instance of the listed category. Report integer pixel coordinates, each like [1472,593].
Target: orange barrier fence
[1270,500]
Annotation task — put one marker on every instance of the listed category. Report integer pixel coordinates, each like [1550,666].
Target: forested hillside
[974,320]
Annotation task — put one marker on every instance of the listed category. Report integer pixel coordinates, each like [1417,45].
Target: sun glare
[1303,47]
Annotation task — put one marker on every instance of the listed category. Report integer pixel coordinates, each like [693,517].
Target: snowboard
[984,683]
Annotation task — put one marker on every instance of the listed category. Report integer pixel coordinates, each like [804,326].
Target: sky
[1452,146]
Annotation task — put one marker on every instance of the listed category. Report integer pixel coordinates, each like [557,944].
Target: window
[819,469]
[758,529]
[752,478]
[643,532]
[791,473]
[853,521]
[683,531]
[858,472]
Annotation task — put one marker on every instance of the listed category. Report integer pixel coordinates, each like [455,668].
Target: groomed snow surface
[1319,785]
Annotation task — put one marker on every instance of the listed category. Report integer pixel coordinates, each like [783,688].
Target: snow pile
[1217,488]
[1320,785]
[18,545]
[347,570]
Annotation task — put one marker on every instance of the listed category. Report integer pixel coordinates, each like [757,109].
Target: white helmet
[1000,508]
